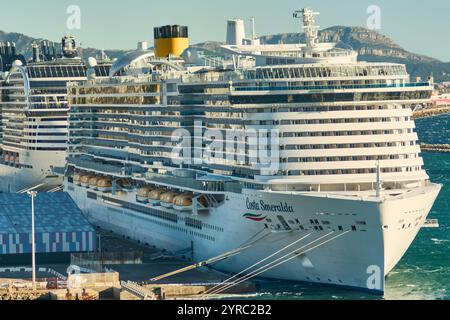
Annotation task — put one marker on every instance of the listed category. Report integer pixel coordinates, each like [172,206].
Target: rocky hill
[24,42]
[371,46]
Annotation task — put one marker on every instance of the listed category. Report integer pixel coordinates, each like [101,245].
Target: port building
[60,227]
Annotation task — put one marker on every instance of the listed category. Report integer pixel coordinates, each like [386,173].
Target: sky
[418,26]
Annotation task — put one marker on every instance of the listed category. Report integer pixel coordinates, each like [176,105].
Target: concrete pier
[424,113]
[441,148]
[98,285]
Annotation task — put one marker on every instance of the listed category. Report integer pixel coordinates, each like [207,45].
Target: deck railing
[338,87]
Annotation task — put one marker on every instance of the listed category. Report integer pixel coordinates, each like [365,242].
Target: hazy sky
[419,26]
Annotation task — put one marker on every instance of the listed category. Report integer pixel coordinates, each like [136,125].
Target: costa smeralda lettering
[267,207]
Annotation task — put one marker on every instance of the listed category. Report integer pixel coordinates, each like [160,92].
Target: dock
[116,285]
[121,280]
[430,112]
[440,148]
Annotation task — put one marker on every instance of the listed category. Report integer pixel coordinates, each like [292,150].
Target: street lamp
[33,194]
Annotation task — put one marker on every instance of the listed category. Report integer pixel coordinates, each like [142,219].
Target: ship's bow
[402,217]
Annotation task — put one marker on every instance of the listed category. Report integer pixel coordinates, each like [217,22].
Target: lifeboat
[6,157]
[143,194]
[183,202]
[104,185]
[84,180]
[93,182]
[77,178]
[155,196]
[168,198]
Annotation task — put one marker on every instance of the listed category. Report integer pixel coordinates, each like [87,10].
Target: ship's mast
[252,20]
[309,26]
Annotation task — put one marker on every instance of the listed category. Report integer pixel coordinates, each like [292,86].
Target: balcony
[339,87]
[99,167]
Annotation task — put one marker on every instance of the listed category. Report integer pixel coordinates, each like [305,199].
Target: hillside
[24,42]
[371,46]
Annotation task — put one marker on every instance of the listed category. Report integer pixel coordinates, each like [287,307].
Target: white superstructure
[235,32]
[339,202]
[34,117]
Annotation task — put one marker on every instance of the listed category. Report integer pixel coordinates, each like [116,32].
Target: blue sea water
[424,272]
[434,129]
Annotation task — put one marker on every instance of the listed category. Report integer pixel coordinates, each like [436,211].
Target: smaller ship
[34,115]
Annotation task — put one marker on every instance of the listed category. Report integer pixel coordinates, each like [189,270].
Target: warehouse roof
[55,212]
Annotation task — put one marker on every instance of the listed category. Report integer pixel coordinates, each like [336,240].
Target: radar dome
[191,56]
[92,62]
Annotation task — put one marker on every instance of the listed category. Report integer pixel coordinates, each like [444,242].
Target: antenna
[253,29]
[309,26]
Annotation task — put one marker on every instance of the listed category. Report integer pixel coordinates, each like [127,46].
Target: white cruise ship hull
[345,242]
[36,170]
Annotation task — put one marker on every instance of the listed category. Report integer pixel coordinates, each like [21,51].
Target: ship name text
[263,206]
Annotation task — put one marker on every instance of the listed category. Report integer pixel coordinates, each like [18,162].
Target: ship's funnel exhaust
[235,32]
[171,41]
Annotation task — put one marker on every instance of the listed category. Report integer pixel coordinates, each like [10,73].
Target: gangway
[32,188]
[202,264]
[57,189]
[137,290]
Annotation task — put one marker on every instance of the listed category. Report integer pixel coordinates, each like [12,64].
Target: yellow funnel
[171,41]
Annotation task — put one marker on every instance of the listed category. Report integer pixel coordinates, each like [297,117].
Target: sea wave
[439,241]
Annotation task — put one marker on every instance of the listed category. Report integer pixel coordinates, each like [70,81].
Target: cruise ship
[294,162]
[34,116]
